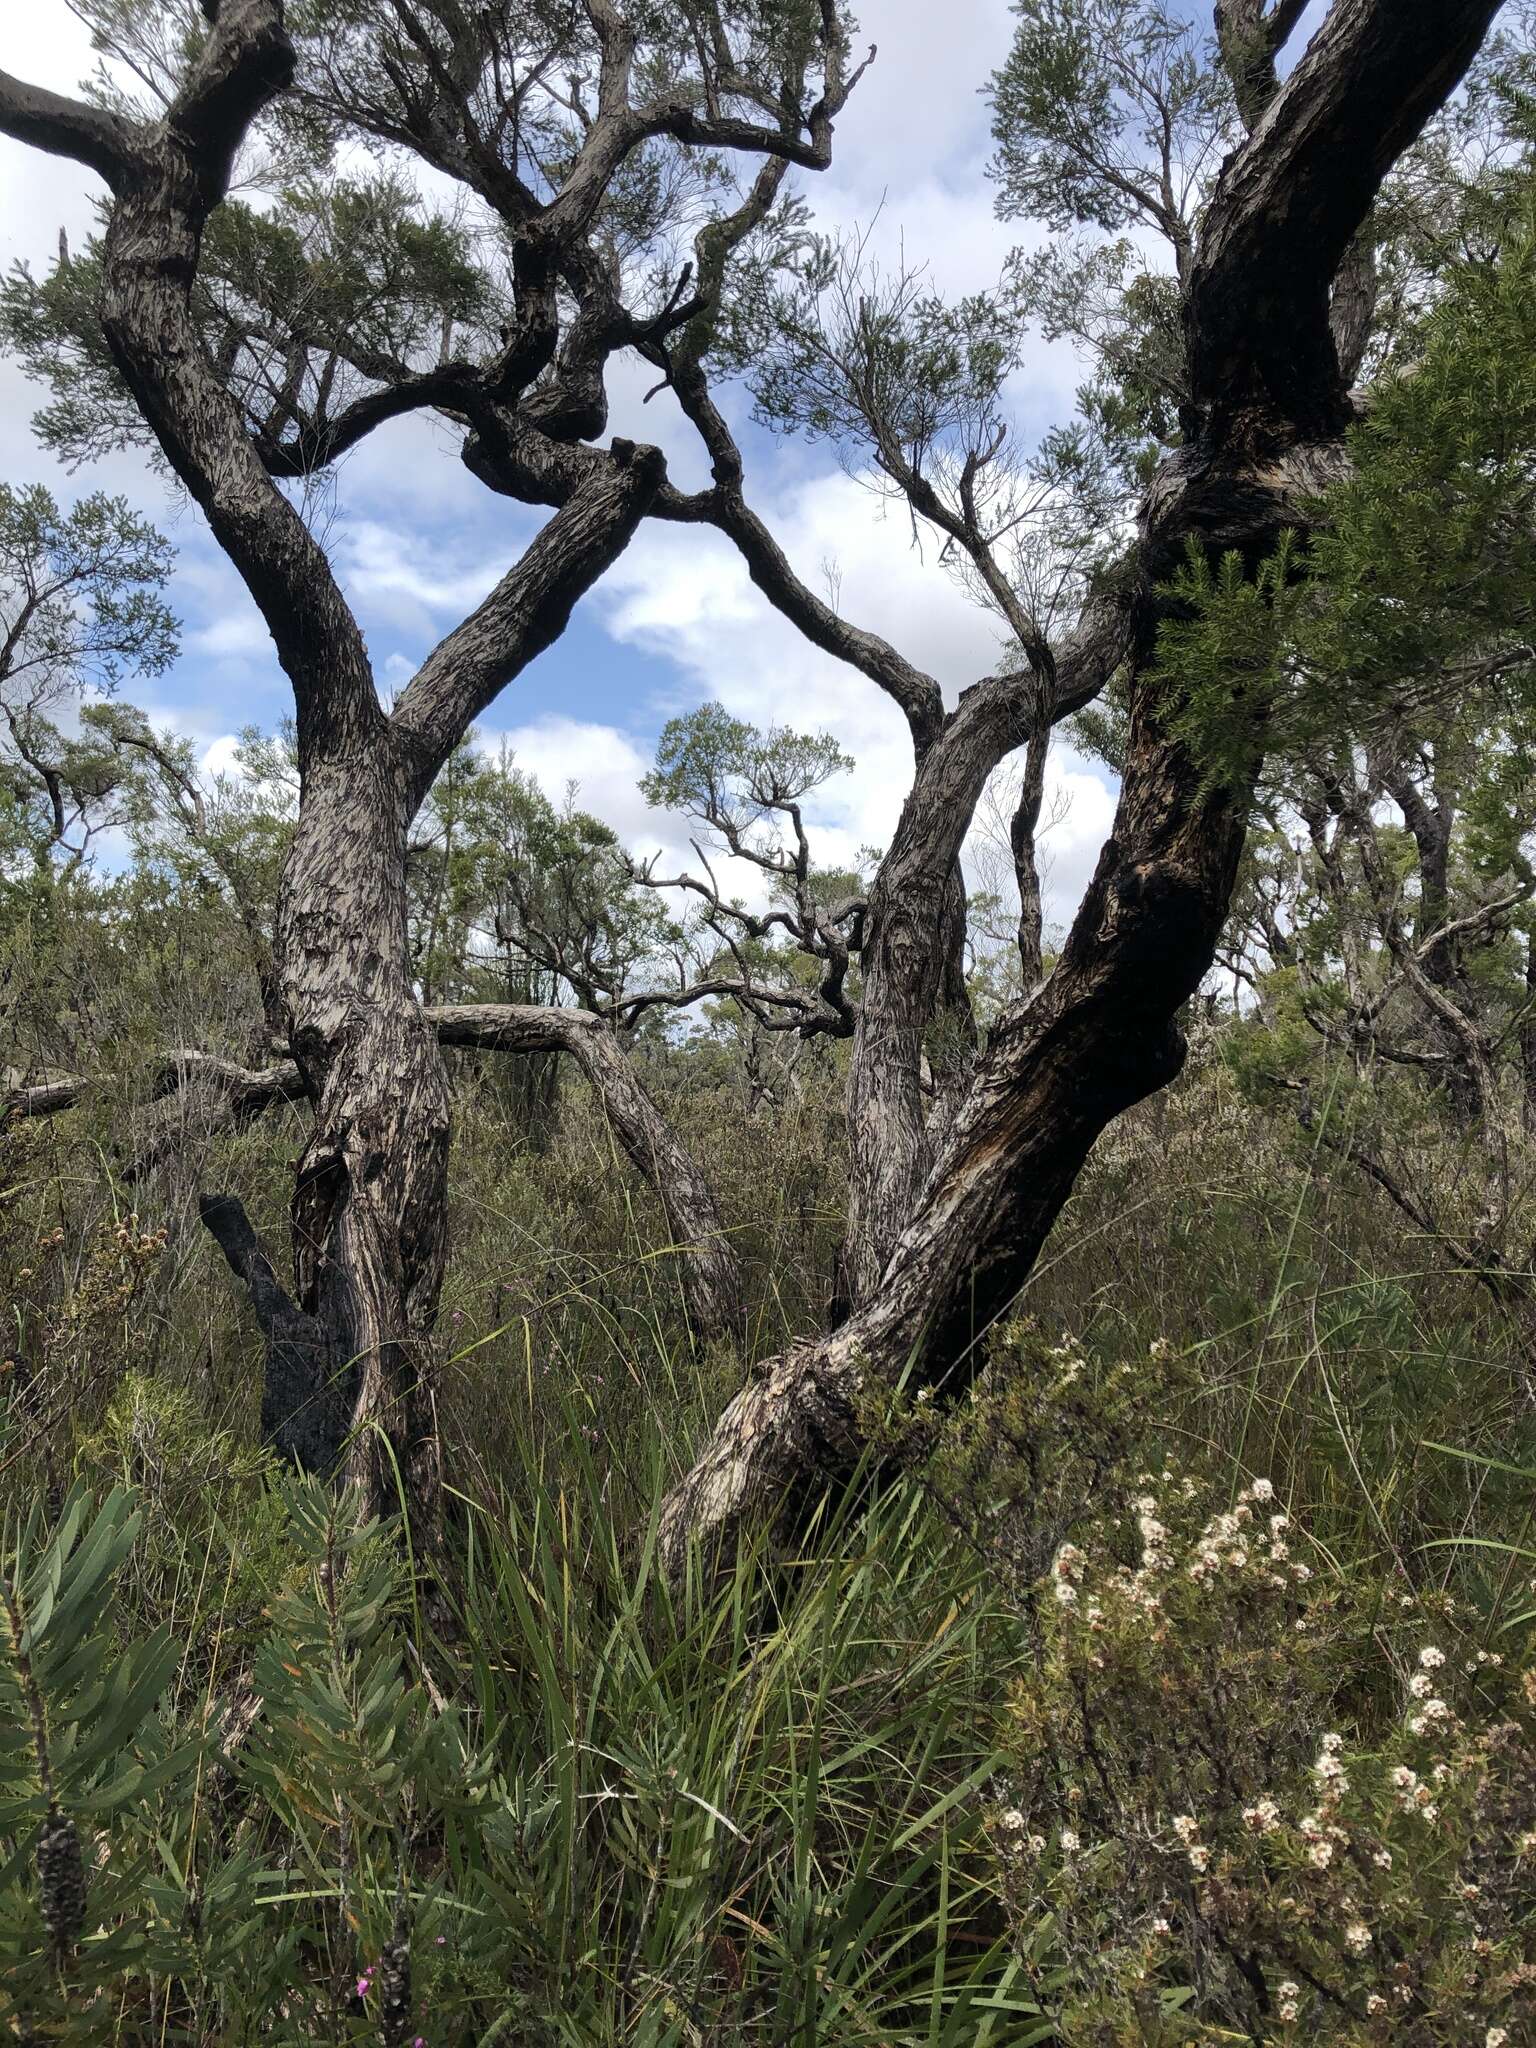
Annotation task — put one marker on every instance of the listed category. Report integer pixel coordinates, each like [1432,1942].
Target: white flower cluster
[1187,1828]
[1067,1571]
[1320,1830]
[1412,1795]
[1289,1993]
[1241,1536]
[1434,1712]
[1263,1817]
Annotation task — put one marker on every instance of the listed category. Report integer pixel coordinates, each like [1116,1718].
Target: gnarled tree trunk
[1268,407]
[371,1197]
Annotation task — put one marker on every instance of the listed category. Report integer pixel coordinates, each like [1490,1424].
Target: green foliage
[1225,647]
[1091,96]
[716,767]
[82,1749]
[1426,553]
[626,1819]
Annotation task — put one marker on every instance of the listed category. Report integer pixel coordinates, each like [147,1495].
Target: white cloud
[605,764]
[684,594]
[220,758]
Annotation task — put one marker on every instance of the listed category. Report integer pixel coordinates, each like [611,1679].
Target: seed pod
[61,1880]
[393,1978]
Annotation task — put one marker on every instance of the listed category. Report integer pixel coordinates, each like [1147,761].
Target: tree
[256,346]
[1263,417]
[80,607]
[1224,408]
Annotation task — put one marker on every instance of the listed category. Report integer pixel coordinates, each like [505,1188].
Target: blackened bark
[305,1402]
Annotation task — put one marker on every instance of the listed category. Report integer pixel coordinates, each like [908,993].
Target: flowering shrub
[1257,1799]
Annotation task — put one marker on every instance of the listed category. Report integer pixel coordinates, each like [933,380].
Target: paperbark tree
[540,124]
[1265,409]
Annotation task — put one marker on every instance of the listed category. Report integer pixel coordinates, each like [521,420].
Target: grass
[754,1811]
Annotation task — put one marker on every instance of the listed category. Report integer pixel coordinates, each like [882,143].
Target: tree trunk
[1528,1039]
[370,1201]
[1022,828]
[907,963]
[1099,1037]
[1267,409]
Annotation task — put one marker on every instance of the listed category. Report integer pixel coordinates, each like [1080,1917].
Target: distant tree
[80,609]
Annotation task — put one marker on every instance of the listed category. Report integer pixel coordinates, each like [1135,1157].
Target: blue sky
[416,541]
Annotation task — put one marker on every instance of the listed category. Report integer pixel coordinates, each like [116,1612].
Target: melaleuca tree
[1273,301]
[255,344]
[241,382]
[786,964]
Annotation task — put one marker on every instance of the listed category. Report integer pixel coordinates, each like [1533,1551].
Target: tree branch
[709,1269]
[45,120]
[528,609]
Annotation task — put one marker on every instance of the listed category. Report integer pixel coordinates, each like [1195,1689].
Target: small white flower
[1383,1859]
[1262,1489]
[1263,1816]
[1431,1658]
[1185,1826]
[1321,1854]
[1495,2037]
[1420,1685]
[1375,2003]
[1013,1820]
[1357,1937]
[1199,1855]
[1070,1840]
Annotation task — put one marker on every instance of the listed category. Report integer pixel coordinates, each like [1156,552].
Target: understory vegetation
[1032,1737]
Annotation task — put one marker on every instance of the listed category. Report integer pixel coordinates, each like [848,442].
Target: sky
[416,541]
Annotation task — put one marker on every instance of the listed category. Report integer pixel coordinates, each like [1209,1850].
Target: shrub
[1257,1798]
